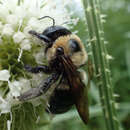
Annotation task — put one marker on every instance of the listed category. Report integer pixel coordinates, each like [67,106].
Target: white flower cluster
[16,19]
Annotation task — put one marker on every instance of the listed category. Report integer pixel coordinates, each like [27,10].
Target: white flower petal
[4,75]
[34,23]
[26,30]
[7,30]
[25,45]
[20,12]
[24,85]
[1,26]
[3,11]
[38,56]
[18,37]
[15,88]
[4,106]
[1,40]
[12,19]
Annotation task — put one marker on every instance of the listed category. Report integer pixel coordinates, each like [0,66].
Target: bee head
[69,45]
[59,40]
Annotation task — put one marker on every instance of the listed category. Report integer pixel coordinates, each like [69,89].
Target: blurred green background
[117,35]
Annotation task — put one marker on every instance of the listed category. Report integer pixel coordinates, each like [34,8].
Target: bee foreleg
[38,69]
[42,88]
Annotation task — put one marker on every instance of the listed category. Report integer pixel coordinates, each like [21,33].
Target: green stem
[101,63]
[95,55]
[100,25]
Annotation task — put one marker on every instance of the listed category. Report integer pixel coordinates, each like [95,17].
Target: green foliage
[117,29]
[9,58]
[25,117]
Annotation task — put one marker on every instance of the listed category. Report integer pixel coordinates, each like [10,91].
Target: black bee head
[50,34]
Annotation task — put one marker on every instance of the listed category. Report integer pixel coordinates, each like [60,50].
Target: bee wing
[79,91]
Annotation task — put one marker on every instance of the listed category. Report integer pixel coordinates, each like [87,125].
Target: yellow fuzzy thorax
[78,58]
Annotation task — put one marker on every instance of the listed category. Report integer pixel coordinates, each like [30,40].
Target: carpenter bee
[65,54]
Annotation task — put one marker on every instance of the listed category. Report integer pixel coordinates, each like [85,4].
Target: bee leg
[42,88]
[38,69]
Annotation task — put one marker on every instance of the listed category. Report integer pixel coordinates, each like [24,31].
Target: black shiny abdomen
[61,101]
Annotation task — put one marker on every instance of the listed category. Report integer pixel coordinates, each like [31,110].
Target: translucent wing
[77,87]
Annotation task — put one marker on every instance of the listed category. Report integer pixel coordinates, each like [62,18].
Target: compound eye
[59,51]
[74,45]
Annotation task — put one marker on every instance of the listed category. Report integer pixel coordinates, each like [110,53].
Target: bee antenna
[48,17]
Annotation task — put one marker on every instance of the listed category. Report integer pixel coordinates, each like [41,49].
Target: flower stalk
[101,63]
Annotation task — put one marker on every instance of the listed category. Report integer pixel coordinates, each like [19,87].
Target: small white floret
[4,106]
[34,23]
[1,40]
[25,45]
[26,30]
[12,19]
[15,88]
[18,37]
[7,30]
[1,26]
[24,84]
[4,75]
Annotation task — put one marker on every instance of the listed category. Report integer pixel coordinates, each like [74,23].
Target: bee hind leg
[42,88]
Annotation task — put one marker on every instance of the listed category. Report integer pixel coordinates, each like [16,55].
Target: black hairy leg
[38,69]
[42,88]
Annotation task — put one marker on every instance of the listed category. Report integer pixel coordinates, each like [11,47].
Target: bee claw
[29,68]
